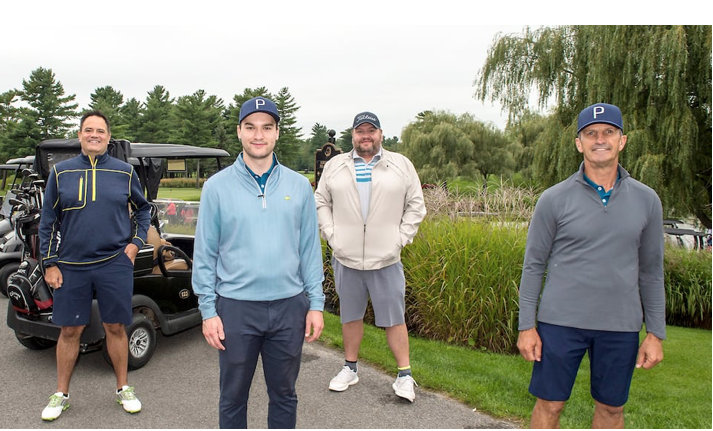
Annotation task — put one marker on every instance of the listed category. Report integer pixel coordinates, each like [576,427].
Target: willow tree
[660,77]
[443,146]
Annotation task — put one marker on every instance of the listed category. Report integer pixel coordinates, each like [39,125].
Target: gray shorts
[386,287]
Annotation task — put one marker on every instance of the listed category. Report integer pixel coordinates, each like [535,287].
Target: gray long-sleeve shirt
[604,264]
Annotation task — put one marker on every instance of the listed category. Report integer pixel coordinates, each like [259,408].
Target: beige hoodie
[395,211]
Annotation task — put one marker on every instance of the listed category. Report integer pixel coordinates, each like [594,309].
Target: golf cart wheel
[5,272]
[34,343]
[142,342]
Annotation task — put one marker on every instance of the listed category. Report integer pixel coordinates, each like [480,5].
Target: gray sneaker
[58,403]
[343,380]
[403,386]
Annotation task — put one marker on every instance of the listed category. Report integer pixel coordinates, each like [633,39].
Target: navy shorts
[113,283]
[386,287]
[612,357]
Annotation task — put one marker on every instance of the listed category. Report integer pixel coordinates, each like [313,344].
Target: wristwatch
[50,265]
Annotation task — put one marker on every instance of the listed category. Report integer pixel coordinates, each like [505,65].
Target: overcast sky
[335,62]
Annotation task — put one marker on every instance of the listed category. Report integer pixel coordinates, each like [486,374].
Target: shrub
[462,282]
[181,183]
[688,287]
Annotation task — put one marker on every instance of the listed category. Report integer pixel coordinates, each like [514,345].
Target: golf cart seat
[167,254]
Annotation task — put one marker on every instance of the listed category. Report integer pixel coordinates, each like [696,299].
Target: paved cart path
[179,389]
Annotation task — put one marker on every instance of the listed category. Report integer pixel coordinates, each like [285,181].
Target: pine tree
[156,121]
[195,118]
[47,114]
[108,101]
[344,142]
[288,146]
[9,120]
[131,116]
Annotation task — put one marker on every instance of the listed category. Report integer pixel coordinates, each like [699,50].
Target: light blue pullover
[255,246]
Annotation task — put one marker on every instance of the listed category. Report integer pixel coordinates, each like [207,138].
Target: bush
[688,287]
[462,282]
[181,183]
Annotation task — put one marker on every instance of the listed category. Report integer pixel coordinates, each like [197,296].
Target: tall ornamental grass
[688,287]
[181,183]
[462,282]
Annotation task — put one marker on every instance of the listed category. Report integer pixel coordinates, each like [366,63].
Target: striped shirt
[363,180]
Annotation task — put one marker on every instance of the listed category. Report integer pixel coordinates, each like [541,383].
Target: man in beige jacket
[370,204]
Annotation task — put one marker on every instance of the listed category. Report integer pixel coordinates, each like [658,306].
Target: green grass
[186,194]
[675,394]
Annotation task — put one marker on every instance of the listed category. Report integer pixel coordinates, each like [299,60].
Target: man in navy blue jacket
[88,243]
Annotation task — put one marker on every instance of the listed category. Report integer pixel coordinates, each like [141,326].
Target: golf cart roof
[27,160]
[138,149]
[174,151]
[673,231]
[52,151]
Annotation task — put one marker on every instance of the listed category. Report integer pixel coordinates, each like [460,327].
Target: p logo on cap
[600,113]
[259,104]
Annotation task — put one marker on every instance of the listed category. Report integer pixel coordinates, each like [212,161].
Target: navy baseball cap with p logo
[366,117]
[259,104]
[600,113]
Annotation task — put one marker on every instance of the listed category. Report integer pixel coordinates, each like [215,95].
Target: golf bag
[28,291]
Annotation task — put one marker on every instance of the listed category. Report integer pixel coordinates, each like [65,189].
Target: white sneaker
[127,399]
[58,403]
[403,386]
[343,380]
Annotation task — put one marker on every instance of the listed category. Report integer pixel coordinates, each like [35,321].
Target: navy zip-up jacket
[85,219]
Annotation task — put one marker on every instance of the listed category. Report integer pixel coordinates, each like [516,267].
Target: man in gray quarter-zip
[599,237]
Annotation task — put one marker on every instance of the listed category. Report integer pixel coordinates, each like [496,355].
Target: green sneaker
[58,403]
[127,398]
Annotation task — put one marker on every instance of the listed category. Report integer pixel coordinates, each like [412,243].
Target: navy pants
[274,330]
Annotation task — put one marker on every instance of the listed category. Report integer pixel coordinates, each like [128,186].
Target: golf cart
[163,297]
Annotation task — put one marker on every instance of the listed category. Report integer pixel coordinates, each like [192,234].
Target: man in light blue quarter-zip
[597,240]
[88,242]
[257,270]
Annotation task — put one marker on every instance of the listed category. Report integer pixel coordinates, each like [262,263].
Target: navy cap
[600,113]
[366,117]
[259,104]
